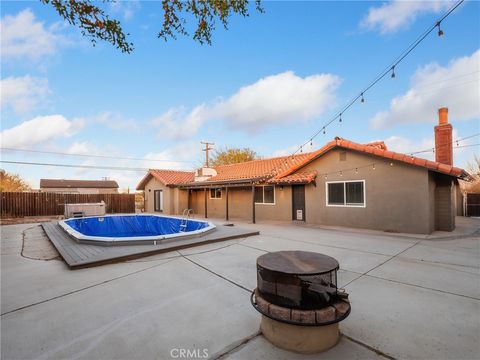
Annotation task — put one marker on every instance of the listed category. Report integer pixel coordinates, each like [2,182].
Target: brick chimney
[443,138]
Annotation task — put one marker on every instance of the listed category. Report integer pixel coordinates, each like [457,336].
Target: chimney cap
[443,116]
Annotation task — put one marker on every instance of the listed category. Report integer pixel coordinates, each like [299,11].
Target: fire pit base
[301,339]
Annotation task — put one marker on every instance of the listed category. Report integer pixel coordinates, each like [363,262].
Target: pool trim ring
[131,240]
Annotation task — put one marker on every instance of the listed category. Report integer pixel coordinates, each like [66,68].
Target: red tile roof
[256,169]
[377,149]
[287,169]
[167,177]
[297,178]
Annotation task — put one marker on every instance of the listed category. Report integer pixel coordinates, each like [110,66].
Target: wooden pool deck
[78,255]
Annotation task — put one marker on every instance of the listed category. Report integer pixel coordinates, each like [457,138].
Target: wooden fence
[20,204]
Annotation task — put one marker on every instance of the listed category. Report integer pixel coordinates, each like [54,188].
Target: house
[341,184]
[79,186]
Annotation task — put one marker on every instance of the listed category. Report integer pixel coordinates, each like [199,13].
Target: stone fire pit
[299,300]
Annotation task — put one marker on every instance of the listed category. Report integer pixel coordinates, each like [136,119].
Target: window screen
[336,194]
[265,194]
[259,194]
[268,194]
[354,193]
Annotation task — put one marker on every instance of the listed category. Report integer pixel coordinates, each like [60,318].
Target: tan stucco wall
[154,184]
[240,205]
[399,198]
[396,196]
[80,190]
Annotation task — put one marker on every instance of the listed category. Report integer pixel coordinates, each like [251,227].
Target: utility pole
[207,148]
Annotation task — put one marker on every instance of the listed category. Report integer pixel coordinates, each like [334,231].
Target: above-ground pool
[133,229]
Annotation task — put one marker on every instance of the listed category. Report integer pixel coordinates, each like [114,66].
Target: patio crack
[213,272]
[85,288]
[235,346]
[371,348]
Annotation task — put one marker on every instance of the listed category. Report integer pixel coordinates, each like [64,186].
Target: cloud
[25,37]
[455,86]
[407,146]
[291,149]
[40,129]
[276,99]
[184,156]
[115,121]
[178,124]
[395,15]
[22,94]
[126,8]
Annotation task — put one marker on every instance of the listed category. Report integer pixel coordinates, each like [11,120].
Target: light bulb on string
[340,173]
[340,119]
[324,131]
[393,72]
[356,170]
[311,142]
[362,100]
[440,31]
[326,177]
[373,167]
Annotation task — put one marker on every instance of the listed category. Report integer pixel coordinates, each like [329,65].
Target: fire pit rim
[337,320]
[334,265]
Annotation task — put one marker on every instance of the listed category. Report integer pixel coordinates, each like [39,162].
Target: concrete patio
[412,297]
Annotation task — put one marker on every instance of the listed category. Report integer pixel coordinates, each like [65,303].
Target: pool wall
[138,229]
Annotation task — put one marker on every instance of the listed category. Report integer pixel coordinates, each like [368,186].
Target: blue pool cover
[133,225]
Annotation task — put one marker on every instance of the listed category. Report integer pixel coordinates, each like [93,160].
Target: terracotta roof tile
[377,151]
[167,177]
[257,169]
[286,169]
[296,178]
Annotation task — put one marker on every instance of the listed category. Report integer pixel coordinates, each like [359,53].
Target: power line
[448,143]
[390,69]
[121,168]
[92,155]
[74,166]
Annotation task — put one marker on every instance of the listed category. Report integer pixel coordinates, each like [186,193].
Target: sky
[268,83]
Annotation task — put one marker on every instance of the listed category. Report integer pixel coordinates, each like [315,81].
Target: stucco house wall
[152,185]
[396,197]
[240,204]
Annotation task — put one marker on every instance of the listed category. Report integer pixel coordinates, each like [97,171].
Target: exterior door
[298,202]
[158,200]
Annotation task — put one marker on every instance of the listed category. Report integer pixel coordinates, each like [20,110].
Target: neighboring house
[341,184]
[79,186]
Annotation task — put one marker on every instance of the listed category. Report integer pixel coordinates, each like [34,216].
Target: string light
[356,170]
[391,164]
[340,120]
[311,142]
[326,177]
[440,31]
[390,69]
[340,173]
[373,167]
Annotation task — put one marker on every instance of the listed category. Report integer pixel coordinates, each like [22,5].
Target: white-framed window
[349,193]
[158,200]
[216,193]
[265,194]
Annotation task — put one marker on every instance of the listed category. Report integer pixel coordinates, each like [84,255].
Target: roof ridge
[172,170]
[265,159]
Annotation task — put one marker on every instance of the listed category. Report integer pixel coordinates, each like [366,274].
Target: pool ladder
[185,216]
